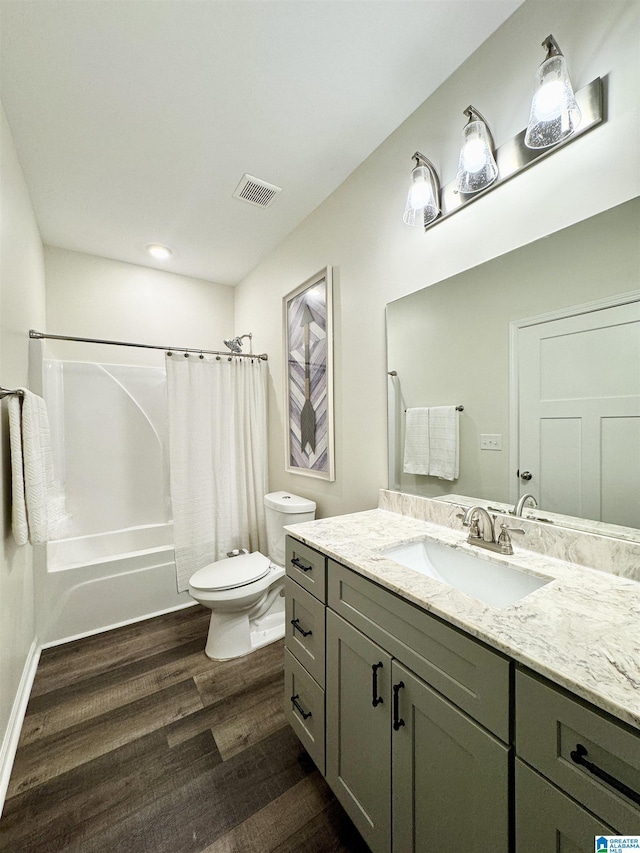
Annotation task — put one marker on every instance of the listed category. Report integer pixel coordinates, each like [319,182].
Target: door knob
[526,475]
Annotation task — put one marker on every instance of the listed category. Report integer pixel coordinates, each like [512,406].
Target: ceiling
[134,120]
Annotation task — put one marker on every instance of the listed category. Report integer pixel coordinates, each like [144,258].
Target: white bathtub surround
[580,629]
[109,439]
[111,558]
[99,582]
[218,458]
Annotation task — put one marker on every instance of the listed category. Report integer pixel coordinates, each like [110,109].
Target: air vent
[255,191]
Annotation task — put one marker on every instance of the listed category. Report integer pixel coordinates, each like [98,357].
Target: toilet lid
[231,572]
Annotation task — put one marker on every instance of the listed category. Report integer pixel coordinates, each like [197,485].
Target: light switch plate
[490,441]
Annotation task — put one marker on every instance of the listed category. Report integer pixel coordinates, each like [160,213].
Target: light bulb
[420,191]
[548,100]
[554,111]
[473,155]
[477,167]
[421,207]
[159,252]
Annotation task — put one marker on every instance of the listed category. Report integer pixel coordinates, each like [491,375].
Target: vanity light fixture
[423,205]
[558,117]
[159,252]
[554,110]
[477,168]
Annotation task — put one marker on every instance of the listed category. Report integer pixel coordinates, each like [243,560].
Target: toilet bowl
[245,593]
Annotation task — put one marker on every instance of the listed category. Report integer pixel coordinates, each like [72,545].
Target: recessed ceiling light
[159,252]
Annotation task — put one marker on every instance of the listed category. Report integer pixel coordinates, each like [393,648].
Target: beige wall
[93,297]
[21,306]
[376,258]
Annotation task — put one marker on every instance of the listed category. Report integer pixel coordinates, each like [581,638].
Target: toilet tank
[284,508]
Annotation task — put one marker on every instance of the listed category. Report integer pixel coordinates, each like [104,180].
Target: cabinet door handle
[579,756]
[296,562]
[304,714]
[397,722]
[296,625]
[377,700]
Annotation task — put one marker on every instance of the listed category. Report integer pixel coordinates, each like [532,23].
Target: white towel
[18,506]
[416,442]
[444,442]
[31,467]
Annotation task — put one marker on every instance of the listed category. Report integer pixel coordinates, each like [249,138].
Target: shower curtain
[217,458]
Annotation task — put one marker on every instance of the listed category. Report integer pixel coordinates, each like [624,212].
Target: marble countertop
[581,630]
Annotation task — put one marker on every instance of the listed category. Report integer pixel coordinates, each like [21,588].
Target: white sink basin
[493,583]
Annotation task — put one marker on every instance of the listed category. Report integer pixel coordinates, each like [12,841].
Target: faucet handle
[512,529]
[504,539]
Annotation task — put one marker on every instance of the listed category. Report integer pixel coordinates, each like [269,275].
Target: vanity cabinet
[577,767]
[411,768]
[396,747]
[304,656]
[420,724]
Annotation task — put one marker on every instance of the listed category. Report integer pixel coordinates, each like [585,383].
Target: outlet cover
[490,441]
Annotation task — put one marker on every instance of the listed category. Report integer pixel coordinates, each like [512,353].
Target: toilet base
[233,635]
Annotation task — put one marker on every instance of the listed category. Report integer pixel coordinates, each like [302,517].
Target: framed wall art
[308,347]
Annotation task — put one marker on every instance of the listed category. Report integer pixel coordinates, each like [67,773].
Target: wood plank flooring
[135,742]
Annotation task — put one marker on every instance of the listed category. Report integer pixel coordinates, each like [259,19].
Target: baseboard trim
[52,643]
[18,711]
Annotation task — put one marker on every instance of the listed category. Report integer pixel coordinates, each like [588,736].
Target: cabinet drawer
[547,821]
[306,714]
[551,725]
[473,677]
[304,628]
[307,567]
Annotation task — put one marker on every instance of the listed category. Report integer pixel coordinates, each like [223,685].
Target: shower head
[235,344]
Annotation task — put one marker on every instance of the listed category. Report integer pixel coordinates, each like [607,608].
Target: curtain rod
[186,350]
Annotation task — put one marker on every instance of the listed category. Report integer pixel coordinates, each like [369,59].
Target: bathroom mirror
[515,328]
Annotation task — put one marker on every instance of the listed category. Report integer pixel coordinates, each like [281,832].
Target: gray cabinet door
[358,747]
[547,821]
[450,776]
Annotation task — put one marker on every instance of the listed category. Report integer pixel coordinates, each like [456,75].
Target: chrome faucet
[522,502]
[471,521]
[487,538]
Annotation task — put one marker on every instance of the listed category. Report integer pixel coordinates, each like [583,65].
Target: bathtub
[132,543]
[101,581]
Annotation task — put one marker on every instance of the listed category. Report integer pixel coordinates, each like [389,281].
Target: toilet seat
[232,572]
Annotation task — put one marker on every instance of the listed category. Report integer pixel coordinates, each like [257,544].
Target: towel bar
[5,392]
[458,409]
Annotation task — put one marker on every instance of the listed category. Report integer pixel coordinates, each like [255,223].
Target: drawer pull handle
[304,714]
[397,722]
[296,625]
[578,756]
[377,700]
[296,562]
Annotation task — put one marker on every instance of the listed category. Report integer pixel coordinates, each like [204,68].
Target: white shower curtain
[218,458]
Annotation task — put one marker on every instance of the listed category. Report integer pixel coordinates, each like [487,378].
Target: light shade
[554,111]
[422,205]
[477,167]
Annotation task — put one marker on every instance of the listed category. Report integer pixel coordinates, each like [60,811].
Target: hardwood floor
[135,742]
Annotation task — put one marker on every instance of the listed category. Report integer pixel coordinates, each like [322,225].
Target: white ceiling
[134,120]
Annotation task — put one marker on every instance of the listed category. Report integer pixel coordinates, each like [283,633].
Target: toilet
[246,593]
